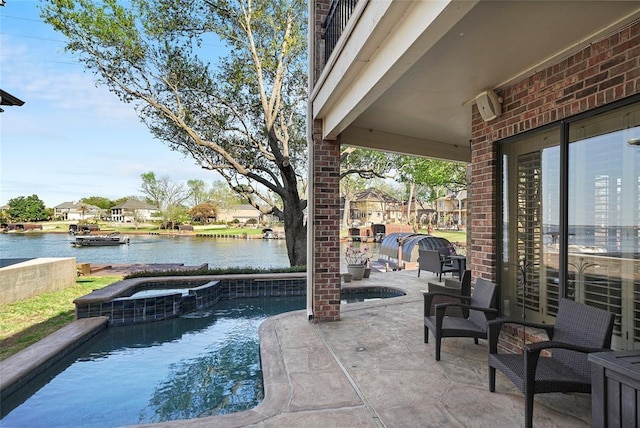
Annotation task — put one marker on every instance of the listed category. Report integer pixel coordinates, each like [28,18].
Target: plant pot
[367,272]
[356,271]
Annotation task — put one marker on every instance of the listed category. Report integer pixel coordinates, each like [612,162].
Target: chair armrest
[439,293]
[532,354]
[442,307]
[429,295]
[537,347]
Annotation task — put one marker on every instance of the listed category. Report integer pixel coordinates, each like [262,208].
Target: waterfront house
[241,213]
[133,211]
[541,99]
[76,211]
[372,206]
[451,210]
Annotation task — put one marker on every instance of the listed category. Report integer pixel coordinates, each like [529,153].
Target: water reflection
[226,380]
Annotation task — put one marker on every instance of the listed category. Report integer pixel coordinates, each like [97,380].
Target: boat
[100,240]
[268,233]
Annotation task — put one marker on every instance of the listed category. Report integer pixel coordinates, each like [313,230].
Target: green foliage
[222,196]
[217,271]
[366,164]
[197,192]
[244,119]
[124,199]
[435,173]
[203,212]
[99,201]
[27,208]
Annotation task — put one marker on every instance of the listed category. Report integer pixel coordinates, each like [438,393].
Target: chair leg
[492,379]
[418,272]
[475,340]
[426,334]
[528,411]
[438,341]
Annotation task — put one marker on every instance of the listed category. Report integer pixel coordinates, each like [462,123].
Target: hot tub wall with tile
[122,308]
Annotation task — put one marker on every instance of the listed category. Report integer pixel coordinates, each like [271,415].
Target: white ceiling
[494,44]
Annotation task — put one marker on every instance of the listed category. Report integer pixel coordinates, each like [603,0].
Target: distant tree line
[193,201]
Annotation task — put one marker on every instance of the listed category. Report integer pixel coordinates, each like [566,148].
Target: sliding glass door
[604,214]
[584,242]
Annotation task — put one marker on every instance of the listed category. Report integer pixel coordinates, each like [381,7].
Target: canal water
[189,250]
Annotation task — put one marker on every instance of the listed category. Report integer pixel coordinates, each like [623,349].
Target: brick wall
[320,11]
[605,71]
[326,227]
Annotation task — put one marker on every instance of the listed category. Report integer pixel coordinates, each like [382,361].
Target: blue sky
[70,139]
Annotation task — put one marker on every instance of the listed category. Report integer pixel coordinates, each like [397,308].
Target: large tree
[27,208]
[162,192]
[167,195]
[244,118]
[197,192]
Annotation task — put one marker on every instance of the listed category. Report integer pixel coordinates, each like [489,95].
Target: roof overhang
[404,75]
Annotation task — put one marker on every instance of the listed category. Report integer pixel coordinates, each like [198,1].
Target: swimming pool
[201,364]
[367,294]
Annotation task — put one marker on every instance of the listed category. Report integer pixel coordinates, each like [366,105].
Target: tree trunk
[411,189]
[293,217]
[346,214]
[295,231]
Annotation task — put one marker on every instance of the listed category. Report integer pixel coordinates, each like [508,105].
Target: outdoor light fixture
[489,105]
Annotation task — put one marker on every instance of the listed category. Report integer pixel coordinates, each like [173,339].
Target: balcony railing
[337,18]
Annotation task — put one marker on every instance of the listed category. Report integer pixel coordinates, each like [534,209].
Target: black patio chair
[432,261]
[579,330]
[451,286]
[481,306]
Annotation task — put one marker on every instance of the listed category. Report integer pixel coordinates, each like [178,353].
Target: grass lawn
[24,323]
[452,235]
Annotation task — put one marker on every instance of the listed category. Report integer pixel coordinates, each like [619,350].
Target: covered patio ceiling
[404,75]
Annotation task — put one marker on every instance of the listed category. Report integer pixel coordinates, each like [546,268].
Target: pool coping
[284,389]
[285,383]
[23,366]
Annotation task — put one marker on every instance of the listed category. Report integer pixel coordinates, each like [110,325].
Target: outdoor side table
[615,382]
[462,264]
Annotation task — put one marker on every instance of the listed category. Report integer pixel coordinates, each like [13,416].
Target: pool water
[205,363]
[367,294]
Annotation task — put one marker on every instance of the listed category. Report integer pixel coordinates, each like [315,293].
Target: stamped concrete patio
[372,369]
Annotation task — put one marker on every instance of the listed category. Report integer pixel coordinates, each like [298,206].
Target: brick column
[481,224]
[325,260]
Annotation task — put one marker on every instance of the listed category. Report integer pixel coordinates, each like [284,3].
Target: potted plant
[356,258]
